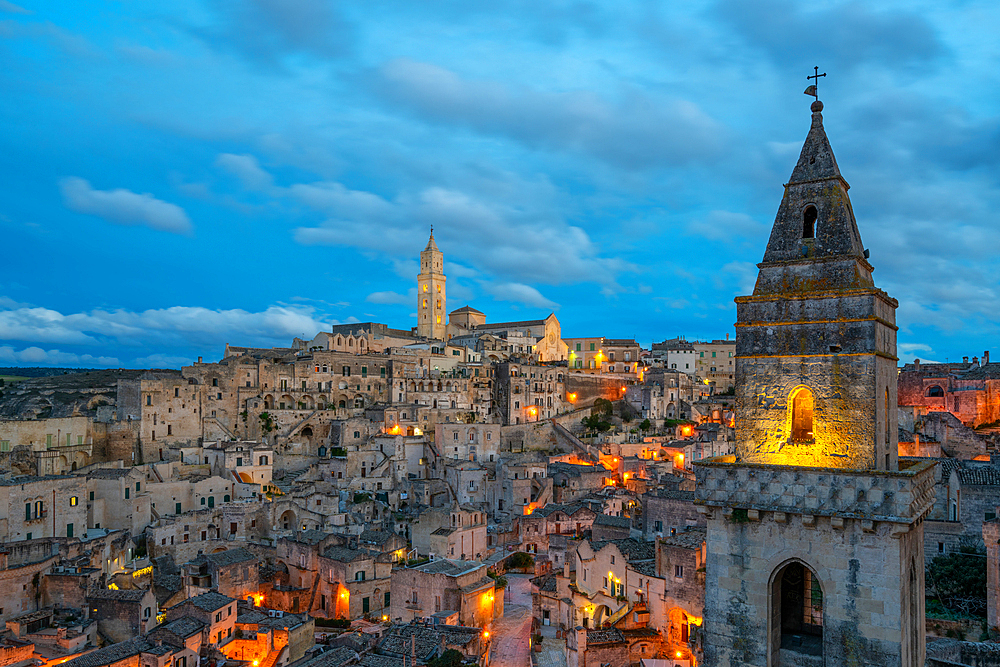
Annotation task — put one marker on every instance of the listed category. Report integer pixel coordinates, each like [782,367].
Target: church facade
[815,536]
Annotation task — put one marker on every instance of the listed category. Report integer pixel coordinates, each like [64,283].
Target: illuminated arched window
[802,414]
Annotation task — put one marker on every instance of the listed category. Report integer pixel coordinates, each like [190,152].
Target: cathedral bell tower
[431,292]
[815,535]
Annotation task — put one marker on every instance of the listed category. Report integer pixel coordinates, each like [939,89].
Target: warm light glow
[112,587]
[385,618]
[571,397]
[623,388]
[417,431]
[258,599]
[395,430]
[486,634]
[678,654]
[679,461]
[256,662]
[687,429]
[530,507]
[626,476]
[533,411]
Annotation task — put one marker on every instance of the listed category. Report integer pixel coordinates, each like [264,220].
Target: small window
[679,571]
[73,501]
[809,222]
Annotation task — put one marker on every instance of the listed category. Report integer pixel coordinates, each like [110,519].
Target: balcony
[38,518]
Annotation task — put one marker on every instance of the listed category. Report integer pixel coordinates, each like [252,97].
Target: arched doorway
[287,520]
[796,613]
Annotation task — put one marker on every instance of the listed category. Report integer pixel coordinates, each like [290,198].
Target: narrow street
[512,632]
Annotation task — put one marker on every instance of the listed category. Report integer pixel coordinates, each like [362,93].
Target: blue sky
[176,176]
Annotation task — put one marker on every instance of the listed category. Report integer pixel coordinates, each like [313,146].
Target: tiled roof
[476,585]
[987,372]
[183,627]
[372,660]
[452,568]
[690,538]
[569,509]
[546,583]
[444,530]
[111,654]
[334,657]
[347,555]
[630,547]
[604,636]
[379,537]
[615,521]
[210,601]
[983,474]
[109,473]
[133,595]
[645,567]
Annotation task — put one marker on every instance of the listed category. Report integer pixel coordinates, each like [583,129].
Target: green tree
[958,580]
[645,425]
[521,560]
[450,658]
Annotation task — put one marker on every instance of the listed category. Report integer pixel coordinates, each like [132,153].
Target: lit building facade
[815,535]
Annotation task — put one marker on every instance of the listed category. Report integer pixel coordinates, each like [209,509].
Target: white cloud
[520,293]
[163,326]
[724,225]
[11,8]
[124,207]
[162,361]
[392,298]
[247,169]
[39,357]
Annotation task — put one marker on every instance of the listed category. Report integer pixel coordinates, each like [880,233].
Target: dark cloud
[635,132]
[270,30]
[841,37]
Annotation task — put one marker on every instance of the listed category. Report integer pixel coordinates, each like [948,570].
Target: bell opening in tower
[798,603]
[802,415]
[809,222]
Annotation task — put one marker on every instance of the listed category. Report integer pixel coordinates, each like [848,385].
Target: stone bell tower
[431,292]
[815,536]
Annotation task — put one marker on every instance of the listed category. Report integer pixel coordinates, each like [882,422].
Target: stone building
[667,512]
[122,614]
[445,586]
[234,573]
[714,362]
[38,507]
[458,533]
[968,390]
[524,393]
[815,534]
[431,293]
[216,611]
[118,499]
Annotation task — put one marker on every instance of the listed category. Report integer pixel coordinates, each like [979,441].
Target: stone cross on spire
[814,88]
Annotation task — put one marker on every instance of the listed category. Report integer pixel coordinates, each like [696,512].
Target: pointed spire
[431,245]
[816,162]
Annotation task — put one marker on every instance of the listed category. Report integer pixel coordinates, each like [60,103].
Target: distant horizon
[184,175]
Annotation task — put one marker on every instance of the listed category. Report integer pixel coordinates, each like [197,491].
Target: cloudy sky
[179,175]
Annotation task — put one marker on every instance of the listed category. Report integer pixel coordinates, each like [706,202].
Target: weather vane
[813,89]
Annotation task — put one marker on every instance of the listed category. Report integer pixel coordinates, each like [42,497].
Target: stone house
[138,652]
[537,528]
[250,462]
[571,481]
[524,393]
[184,635]
[608,578]
[459,533]
[216,611]
[967,495]
[234,573]
[468,480]
[122,614]
[607,527]
[118,499]
[680,563]
[968,390]
[445,585]
[468,442]
[42,507]
[352,582]
[666,512]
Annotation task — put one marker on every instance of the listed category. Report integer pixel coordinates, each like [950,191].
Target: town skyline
[572,176]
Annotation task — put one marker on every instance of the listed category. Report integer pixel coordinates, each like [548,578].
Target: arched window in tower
[809,222]
[425,288]
[439,289]
[802,414]
[425,303]
[798,596]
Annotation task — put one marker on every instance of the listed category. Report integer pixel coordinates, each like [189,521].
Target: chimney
[965,360]
[199,360]
[986,357]
[727,336]
[916,364]
[975,361]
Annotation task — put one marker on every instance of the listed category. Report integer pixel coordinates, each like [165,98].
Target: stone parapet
[902,496]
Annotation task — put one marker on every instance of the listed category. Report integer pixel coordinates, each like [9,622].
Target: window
[935,392]
[802,414]
[678,571]
[591,347]
[359,576]
[215,382]
[69,530]
[91,495]
[809,222]
[73,501]
[126,493]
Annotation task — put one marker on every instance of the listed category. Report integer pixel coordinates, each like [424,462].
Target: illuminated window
[809,222]
[425,288]
[802,414]
[73,501]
